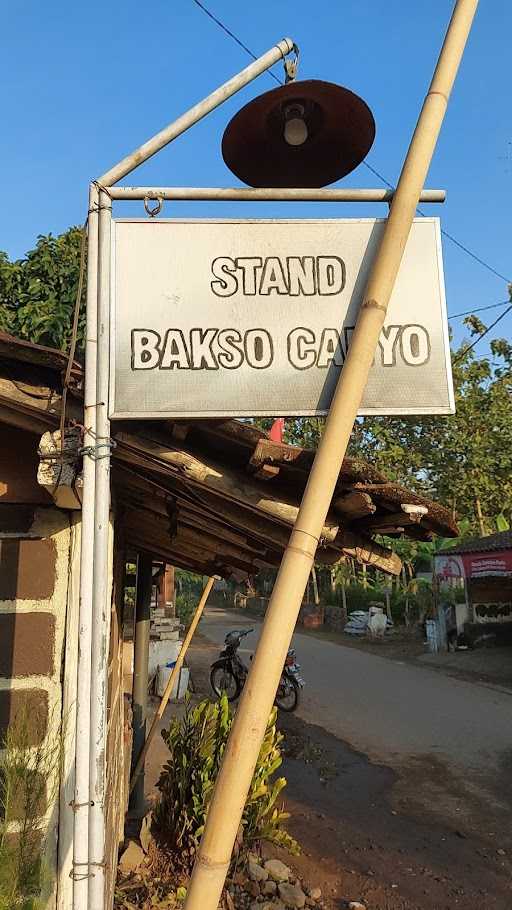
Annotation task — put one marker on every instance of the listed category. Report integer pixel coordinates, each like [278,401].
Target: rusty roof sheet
[20,350]
[223,480]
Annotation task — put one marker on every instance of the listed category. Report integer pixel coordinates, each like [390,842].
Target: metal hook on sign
[155,209]
[291,66]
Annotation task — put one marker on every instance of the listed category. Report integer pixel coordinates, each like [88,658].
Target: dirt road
[398,776]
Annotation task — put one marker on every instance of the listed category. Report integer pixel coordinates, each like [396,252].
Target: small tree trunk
[315,586]
[480,517]
[365,579]
[344,597]
[333,581]
[388,604]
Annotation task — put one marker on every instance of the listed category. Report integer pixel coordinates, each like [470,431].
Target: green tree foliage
[37,293]
[465,460]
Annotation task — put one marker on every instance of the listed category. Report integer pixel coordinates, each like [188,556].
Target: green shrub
[186,605]
[196,743]
[29,782]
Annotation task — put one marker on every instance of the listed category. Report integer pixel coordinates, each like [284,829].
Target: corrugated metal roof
[501,541]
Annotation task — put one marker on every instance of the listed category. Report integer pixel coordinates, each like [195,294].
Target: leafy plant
[186,605]
[37,293]
[502,523]
[196,743]
[29,781]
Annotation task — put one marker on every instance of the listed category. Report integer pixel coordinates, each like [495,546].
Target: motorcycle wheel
[287,697]
[223,680]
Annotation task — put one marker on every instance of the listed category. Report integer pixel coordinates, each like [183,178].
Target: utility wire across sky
[370,167]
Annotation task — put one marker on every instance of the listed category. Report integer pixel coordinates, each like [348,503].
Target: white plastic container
[162,653]
[433,636]
[179,688]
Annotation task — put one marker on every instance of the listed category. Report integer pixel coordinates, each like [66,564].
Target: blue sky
[83,84]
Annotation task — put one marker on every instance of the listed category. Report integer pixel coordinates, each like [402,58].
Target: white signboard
[247,318]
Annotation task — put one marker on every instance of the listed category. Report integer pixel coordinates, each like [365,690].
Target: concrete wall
[36,543]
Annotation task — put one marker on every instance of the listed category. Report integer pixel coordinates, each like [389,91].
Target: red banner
[277,430]
[478,565]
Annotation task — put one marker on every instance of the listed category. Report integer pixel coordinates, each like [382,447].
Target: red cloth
[277,429]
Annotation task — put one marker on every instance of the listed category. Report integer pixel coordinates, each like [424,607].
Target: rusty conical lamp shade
[304,134]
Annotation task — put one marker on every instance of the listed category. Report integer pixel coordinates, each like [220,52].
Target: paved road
[390,710]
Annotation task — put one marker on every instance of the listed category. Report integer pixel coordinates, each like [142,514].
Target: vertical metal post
[89,869]
[83,696]
[140,673]
[243,747]
[138,768]
[101,606]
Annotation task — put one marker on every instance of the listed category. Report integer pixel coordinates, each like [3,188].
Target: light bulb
[295,131]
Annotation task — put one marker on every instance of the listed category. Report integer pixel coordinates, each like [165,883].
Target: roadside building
[474,584]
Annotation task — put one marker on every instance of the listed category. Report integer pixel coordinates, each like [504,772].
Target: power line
[232,36]
[473,255]
[443,232]
[370,167]
[480,309]
[380,176]
[482,335]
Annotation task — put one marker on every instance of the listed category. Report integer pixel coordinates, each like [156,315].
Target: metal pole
[196,113]
[101,603]
[140,674]
[98,371]
[138,771]
[248,729]
[246,194]
[83,696]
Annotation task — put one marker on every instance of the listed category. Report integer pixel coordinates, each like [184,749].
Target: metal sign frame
[89,860]
[286,408]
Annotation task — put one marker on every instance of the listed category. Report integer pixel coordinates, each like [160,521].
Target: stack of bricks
[164,627]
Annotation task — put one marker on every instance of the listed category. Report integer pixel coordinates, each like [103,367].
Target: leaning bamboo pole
[172,679]
[248,729]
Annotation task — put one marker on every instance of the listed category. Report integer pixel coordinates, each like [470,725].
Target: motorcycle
[228,673]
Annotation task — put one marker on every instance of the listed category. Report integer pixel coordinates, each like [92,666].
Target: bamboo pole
[233,782]
[172,679]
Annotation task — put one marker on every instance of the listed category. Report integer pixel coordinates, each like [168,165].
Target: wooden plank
[264,471]
[354,504]
[240,515]
[390,496]
[280,454]
[373,554]
[154,454]
[383,521]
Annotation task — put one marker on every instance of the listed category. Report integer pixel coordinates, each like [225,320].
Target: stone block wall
[35,547]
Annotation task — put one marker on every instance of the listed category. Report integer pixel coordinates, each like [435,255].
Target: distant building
[474,587]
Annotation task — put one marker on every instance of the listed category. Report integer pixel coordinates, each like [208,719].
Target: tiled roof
[501,541]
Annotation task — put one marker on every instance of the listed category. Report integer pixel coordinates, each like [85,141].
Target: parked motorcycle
[228,673]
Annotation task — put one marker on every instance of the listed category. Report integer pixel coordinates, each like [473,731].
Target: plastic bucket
[180,686]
